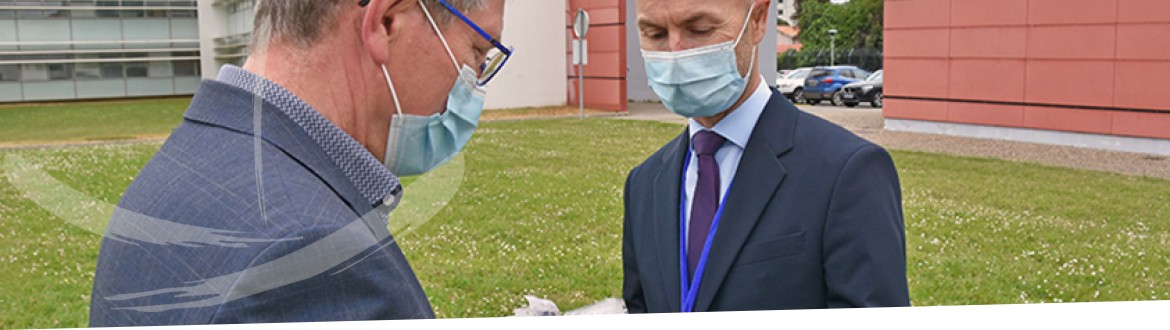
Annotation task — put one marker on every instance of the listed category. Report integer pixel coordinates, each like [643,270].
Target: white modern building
[786,10]
[95,49]
[534,77]
[92,49]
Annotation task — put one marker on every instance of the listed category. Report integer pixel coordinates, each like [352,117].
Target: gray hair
[302,22]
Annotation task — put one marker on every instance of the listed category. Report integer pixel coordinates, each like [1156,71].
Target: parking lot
[867,122]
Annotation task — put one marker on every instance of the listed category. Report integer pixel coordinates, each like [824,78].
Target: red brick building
[1092,73]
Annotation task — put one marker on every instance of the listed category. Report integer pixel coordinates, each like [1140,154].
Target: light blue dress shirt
[737,128]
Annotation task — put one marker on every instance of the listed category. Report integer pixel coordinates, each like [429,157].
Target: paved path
[868,123]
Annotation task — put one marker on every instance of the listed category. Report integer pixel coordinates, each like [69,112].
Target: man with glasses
[756,205]
[269,202]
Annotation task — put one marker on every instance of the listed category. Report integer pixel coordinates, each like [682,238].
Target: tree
[858,23]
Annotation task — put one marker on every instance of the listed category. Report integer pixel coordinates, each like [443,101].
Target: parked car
[824,83]
[869,90]
[792,84]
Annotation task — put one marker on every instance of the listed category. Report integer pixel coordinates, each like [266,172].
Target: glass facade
[87,49]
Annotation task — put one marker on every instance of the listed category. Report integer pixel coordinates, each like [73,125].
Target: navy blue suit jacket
[814,220]
[210,233]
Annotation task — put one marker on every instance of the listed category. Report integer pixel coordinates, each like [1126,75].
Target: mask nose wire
[446,46]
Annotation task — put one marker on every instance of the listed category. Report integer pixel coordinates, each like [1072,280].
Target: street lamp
[832,47]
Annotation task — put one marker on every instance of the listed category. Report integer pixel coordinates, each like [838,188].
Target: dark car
[869,90]
[824,83]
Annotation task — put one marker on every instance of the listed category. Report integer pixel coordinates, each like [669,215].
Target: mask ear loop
[743,31]
[441,38]
[393,93]
[747,20]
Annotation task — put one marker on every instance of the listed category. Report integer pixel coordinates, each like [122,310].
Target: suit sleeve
[864,236]
[631,283]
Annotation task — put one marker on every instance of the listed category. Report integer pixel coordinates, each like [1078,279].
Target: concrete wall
[213,23]
[1083,66]
[534,76]
[639,90]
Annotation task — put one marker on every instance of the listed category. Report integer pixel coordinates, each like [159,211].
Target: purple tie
[706,196]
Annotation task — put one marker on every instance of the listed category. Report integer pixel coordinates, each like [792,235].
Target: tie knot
[708,142]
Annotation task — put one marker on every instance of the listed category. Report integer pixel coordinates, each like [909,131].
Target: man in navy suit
[757,205]
[269,202]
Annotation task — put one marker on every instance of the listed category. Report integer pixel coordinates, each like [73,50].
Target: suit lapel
[759,175]
[665,218]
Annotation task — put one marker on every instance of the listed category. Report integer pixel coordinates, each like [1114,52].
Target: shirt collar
[373,180]
[738,125]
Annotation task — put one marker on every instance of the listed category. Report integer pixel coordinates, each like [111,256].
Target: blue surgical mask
[699,82]
[418,144]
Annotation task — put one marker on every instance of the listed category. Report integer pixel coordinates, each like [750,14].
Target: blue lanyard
[690,287]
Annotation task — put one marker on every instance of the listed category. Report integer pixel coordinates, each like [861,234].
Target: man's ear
[760,17]
[382,23]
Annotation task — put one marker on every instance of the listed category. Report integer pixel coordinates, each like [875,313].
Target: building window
[30,14]
[55,14]
[34,72]
[161,69]
[186,68]
[10,72]
[112,70]
[85,13]
[137,70]
[62,71]
[88,71]
[110,12]
[182,13]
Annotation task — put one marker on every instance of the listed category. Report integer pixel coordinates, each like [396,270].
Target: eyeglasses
[496,57]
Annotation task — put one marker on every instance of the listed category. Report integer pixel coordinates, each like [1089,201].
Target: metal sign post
[581,54]
[833,47]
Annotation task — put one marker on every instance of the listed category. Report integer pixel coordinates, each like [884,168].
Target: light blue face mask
[418,144]
[699,82]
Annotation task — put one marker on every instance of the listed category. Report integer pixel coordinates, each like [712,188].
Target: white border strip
[94,42]
[105,60]
[110,8]
[97,51]
[1110,315]
[1082,140]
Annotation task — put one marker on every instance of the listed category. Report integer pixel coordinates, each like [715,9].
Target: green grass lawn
[540,213]
[90,121]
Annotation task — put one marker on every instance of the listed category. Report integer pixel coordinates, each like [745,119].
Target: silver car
[792,84]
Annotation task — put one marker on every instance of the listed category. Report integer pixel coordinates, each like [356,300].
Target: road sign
[581,24]
[581,54]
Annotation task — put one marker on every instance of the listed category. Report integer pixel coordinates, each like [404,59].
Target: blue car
[824,83]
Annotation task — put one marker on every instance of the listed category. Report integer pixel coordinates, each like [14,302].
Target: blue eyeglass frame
[507,51]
